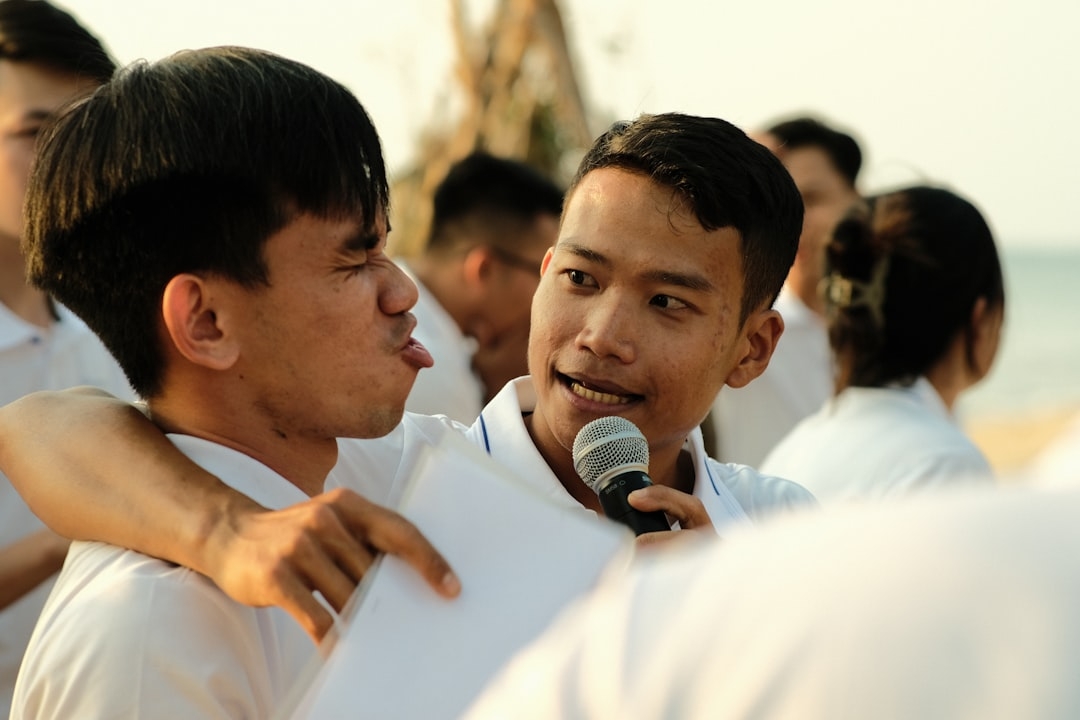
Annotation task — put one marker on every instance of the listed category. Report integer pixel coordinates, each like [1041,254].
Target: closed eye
[30,131]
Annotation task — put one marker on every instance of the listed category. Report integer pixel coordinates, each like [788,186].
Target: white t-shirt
[947,607]
[451,387]
[124,635]
[750,420]
[31,359]
[871,443]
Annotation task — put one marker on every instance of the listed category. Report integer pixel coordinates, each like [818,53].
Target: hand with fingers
[686,509]
[325,544]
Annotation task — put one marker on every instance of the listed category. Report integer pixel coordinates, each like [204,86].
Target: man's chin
[376,425]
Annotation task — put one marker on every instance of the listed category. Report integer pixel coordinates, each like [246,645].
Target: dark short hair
[189,164]
[842,149]
[936,256]
[37,31]
[491,197]
[727,179]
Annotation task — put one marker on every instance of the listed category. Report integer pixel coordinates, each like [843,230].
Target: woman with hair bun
[915,301]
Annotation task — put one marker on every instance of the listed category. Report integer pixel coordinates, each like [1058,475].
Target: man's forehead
[590,210]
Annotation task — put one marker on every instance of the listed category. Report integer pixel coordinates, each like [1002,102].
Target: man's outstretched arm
[93,467]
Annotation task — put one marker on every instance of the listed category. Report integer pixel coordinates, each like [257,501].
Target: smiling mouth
[597,396]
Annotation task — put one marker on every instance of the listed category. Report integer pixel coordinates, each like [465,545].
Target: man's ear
[760,334]
[546,261]
[193,325]
[478,265]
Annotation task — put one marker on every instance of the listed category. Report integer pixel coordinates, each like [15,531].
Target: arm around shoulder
[93,467]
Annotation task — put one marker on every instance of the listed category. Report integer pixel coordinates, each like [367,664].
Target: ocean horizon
[1037,369]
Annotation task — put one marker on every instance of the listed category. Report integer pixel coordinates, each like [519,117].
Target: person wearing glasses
[493,220]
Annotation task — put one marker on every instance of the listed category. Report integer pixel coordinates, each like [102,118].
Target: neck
[303,461]
[952,374]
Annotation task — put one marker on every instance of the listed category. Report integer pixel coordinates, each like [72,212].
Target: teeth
[600,397]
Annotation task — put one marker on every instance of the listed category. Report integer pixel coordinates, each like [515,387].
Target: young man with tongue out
[241,283]
[677,233]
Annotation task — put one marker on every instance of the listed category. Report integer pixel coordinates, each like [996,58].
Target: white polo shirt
[34,358]
[124,635]
[451,387]
[750,420]
[873,443]
[730,493]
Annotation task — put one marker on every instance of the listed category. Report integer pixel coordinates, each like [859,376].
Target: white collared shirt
[34,358]
[62,355]
[451,387]
[730,493]
[124,635]
[869,443]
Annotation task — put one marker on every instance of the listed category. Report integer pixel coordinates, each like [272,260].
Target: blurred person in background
[46,59]
[747,422]
[915,301]
[493,220]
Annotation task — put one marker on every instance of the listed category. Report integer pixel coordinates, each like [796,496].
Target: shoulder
[760,495]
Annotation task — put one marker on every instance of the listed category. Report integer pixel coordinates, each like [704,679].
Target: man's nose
[397,292]
[609,328]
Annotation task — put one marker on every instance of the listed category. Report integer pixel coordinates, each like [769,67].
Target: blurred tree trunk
[521,99]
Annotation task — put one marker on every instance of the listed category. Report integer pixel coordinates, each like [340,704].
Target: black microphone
[612,457]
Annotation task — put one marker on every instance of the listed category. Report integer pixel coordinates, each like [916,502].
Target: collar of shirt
[920,393]
[501,431]
[241,472]
[928,396]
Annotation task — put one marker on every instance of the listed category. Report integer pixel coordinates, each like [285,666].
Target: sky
[981,96]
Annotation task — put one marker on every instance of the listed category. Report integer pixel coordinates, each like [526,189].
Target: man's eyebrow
[690,281]
[584,253]
[36,116]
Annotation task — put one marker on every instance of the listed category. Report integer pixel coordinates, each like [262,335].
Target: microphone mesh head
[607,444]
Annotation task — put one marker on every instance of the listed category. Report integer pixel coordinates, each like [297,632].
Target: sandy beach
[1011,442]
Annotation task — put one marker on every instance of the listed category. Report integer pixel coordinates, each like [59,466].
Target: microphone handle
[613,500]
